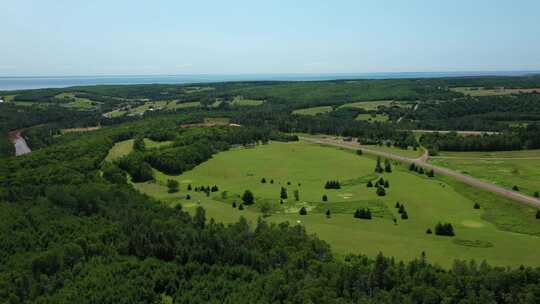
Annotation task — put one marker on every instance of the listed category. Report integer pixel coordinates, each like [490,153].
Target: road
[21,147]
[422,161]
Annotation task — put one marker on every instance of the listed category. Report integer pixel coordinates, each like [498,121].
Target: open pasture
[306,168]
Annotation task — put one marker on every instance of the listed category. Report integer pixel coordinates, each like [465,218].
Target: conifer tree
[324,198]
[283,193]
[303,211]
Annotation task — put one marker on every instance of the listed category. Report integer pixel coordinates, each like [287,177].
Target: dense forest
[73,229]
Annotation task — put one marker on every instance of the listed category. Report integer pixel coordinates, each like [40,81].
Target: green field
[373,105]
[240,101]
[313,110]
[409,152]
[185,105]
[480,91]
[120,149]
[78,103]
[524,173]
[481,234]
[372,117]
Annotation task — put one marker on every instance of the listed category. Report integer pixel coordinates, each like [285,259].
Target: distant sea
[20,83]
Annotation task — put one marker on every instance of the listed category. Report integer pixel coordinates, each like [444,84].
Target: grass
[480,91]
[518,153]
[373,105]
[150,144]
[372,117]
[506,173]
[409,152]
[240,101]
[313,111]
[120,149]
[307,167]
[78,103]
[186,105]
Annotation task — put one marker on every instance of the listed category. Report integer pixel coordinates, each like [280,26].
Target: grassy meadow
[313,110]
[488,233]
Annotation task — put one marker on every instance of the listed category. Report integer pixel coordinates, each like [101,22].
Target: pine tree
[536,194]
[281,202]
[248,198]
[263,180]
[378,167]
[189,187]
[188,197]
[386,184]
[324,198]
[397,205]
[381,191]
[428,231]
[412,167]
[173,186]
[296,195]
[401,208]
[303,211]
[327,213]
[241,207]
[369,184]
[476,206]
[404,215]
[538,214]
[359,152]
[271,181]
[515,188]
[431,173]
[234,204]
[387,166]
[283,194]
[420,170]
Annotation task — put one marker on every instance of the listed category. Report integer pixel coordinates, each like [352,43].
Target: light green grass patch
[372,117]
[120,149]
[409,152]
[185,105]
[313,111]
[480,91]
[374,105]
[240,101]
[150,144]
[307,167]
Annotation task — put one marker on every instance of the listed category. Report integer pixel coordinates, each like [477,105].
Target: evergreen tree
[327,213]
[404,215]
[369,184]
[387,166]
[303,211]
[359,152]
[537,194]
[263,180]
[381,191]
[515,188]
[378,167]
[412,167]
[199,219]
[428,231]
[444,229]
[173,186]
[420,170]
[189,187]
[324,198]
[139,145]
[283,193]
[288,183]
[397,205]
[271,181]
[214,188]
[476,206]
[431,173]
[386,184]
[296,195]
[281,201]
[401,208]
[188,197]
[248,197]
[538,214]
[234,204]
[241,207]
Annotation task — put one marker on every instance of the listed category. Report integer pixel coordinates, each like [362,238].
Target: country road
[21,147]
[422,161]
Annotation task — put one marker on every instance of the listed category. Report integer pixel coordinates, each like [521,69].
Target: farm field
[240,101]
[480,91]
[307,167]
[374,105]
[372,117]
[523,173]
[313,110]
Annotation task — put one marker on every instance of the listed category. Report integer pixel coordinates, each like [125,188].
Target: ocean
[20,83]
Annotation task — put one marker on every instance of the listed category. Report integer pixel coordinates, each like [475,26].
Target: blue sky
[237,37]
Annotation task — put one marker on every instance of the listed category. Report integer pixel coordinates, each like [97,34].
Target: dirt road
[422,161]
[21,147]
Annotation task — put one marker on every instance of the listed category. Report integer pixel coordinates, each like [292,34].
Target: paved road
[21,147]
[422,161]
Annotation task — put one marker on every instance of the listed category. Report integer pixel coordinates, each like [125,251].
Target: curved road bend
[422,161]
[21,147]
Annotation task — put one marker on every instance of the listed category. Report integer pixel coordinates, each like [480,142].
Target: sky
[117,37]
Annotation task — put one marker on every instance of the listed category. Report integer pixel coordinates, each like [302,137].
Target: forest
[74,229]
